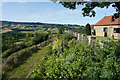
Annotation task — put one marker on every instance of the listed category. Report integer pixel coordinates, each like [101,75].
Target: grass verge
[29,64]
[105,38]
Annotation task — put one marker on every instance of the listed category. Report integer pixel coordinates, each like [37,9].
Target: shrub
[12,48]
[81,62]
[17,56]
[87,29]
[14,58]
[61,30]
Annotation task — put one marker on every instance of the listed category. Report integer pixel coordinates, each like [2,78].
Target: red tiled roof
[107,21]
[92,27]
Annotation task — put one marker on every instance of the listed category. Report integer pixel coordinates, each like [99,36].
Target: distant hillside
[33,23]
[15,23]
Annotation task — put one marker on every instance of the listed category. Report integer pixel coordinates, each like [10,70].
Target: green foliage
[39,37]
[61,43]
[61,30]
[19,29]
[87,29]
[13,49]
[88,9]
[27,36]
[9,38]
[9,46]
[67,36]
[6,53]
[80,61]
[17,56]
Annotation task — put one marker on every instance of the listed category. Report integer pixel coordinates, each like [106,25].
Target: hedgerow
[14,59]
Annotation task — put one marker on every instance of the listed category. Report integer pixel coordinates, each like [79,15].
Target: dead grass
[4,31]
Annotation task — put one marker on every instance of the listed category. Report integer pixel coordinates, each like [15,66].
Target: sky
[49,12]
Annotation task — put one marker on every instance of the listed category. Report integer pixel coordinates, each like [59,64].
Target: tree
[27,36]
[61,30]
[88,10]
[94,32]
[87,29]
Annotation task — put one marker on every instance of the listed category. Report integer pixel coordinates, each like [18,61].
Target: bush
[29,41]
[6,53]
[68,36]
[87,29]
[61,30]
[9,38]
[17,56]
[14,58]
[81,62]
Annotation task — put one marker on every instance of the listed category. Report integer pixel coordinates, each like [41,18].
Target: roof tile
[107,21]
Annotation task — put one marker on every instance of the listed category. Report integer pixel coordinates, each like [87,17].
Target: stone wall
[110,31]
[116,35]
[100,30]
[82,37]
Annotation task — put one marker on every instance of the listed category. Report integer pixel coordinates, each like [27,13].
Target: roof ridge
[106,20]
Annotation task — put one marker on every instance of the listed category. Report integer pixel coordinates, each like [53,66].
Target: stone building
[92,29]
[108,28]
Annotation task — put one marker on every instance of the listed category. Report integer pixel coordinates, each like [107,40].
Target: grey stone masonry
[89,39]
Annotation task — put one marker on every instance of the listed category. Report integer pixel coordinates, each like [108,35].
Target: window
[116,30]
[105,29]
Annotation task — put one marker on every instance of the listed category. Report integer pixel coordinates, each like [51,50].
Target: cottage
[106,28]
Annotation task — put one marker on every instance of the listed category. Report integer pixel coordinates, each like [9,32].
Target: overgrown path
[25,69]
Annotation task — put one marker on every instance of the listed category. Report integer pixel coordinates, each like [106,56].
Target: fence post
[78,37]
[75,34]
[85,38]
[92,41]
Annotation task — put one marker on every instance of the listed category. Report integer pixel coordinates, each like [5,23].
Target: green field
[28,65]
[105,38]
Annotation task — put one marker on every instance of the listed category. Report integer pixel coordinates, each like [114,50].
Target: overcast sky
[49,12]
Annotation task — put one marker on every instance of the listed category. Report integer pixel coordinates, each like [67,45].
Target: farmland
[20,39]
